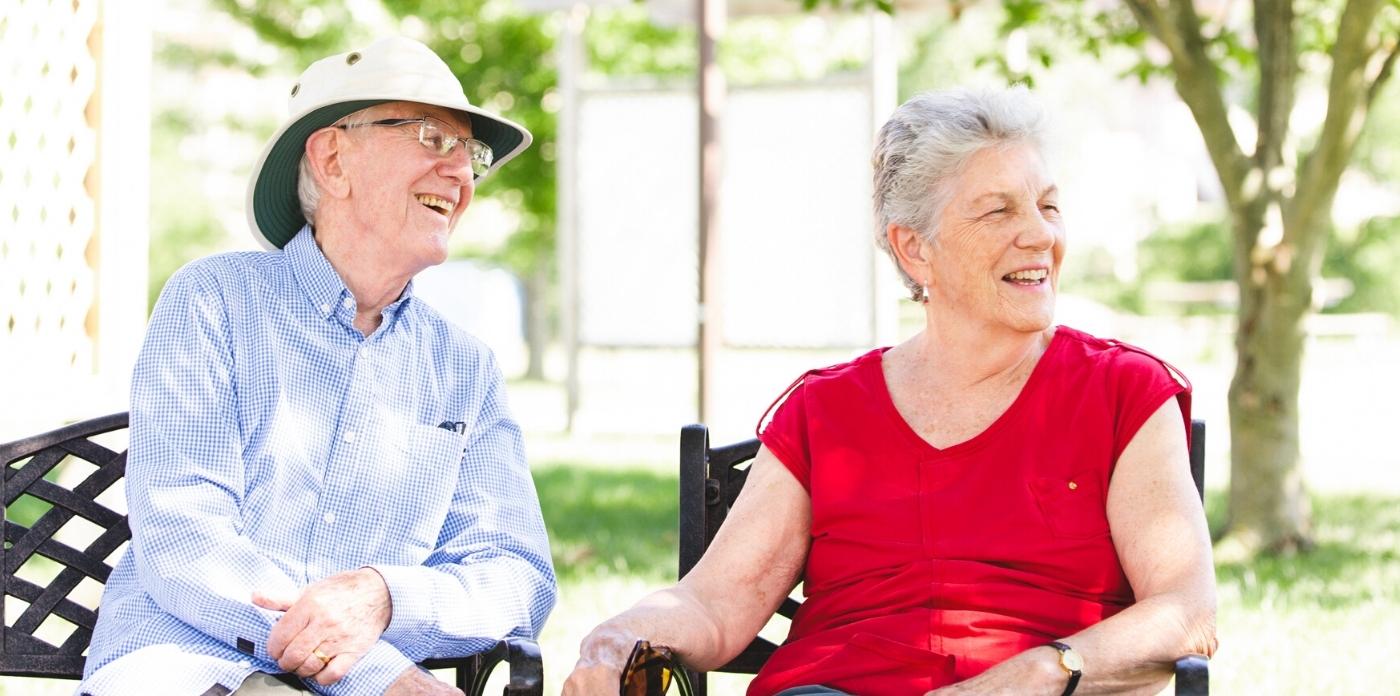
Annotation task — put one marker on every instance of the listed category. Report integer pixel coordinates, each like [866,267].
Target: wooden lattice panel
[47,216]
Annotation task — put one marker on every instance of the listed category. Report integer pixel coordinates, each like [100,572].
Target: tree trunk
[1268,506]
[536,320]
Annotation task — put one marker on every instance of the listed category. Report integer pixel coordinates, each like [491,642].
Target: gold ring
[324,658]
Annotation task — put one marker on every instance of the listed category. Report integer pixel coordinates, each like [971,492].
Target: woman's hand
[1035,671]
[600,661]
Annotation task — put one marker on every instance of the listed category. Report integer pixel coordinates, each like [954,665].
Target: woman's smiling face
[999,241]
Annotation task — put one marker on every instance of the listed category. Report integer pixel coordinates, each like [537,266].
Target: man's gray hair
[308,193]
[926,144]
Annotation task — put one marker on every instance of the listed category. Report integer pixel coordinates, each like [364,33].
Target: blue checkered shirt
[272,445]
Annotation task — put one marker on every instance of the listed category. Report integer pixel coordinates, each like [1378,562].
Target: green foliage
[1092,274]
[1108,33]
[1195,252]
[1368,257]
[1378,150]
[1203,252]
[181,230]
[886,6]
[622,42]
[304,30]
[624,45]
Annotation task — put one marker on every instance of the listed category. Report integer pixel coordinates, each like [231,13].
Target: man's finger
[287,628]
[336,668]
[310,666]
[303,646]
[274,602]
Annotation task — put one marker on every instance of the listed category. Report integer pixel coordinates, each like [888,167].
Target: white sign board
[797,255]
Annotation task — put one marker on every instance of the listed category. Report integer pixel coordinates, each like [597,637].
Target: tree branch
[1198,83]
[1384,75]
[1348,97]
[1149,17]
[1278,71]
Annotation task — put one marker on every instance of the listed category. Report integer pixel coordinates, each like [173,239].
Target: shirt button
[325,308]
[348,437]
[244,664]
[329,517]
[348,302]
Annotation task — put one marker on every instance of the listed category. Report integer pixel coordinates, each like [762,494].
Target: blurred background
[128,130]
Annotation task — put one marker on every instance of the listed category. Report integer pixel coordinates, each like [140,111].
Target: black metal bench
[59,580]
[710,483]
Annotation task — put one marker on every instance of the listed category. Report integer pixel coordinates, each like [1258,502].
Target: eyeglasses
[650,670]
[436,136]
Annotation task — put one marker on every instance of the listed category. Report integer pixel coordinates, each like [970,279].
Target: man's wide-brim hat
[389,70]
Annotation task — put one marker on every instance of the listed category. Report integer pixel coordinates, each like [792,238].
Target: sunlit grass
[609,522]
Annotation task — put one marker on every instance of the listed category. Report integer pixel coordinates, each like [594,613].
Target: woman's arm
[1164,547]
[716,610]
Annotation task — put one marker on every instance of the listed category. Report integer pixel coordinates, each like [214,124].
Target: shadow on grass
[605,522]
[1356,560]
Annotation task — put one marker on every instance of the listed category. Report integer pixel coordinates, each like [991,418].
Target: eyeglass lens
[434,137]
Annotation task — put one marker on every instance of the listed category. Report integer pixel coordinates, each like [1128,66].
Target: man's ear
[912,251]
[323,153]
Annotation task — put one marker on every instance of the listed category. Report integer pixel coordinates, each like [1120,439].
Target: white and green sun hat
[389,70]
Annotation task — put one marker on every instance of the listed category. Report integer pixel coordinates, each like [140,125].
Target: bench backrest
[55,564]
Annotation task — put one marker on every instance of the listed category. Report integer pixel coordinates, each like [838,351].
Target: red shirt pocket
[1071,506]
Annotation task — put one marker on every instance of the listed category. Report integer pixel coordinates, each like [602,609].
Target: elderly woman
[997,505]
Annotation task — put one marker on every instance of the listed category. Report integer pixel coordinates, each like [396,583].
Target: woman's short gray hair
[308,193]
[926,144]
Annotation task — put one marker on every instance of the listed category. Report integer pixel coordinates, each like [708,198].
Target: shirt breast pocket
[430,463]
[1072,506]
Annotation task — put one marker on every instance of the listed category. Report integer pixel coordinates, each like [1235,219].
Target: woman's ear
[912,251]
[323,153]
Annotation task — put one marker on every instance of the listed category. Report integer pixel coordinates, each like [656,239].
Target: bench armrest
[1193,676]
[526,668]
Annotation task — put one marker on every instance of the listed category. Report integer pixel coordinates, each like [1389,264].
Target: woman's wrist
[1050,671]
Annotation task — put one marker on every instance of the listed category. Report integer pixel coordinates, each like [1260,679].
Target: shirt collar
[314,272]
[323,285]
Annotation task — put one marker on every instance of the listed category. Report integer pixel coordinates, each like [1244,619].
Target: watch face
[1071,660]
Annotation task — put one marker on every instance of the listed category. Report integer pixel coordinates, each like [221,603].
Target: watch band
[1071,663]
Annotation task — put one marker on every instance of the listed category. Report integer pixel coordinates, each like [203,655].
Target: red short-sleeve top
[927,566]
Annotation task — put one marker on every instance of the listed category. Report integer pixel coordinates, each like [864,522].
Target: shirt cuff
[413,617]
[371,674]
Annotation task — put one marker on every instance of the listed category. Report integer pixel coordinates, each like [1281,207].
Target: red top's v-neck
[874,360]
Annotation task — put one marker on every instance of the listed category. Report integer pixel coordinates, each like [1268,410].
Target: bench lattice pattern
[47,562]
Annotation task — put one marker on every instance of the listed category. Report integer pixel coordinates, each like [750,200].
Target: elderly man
[324,478]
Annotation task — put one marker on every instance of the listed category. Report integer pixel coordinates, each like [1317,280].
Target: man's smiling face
[404,192]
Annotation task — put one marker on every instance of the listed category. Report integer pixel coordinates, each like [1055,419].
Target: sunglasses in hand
[650,670]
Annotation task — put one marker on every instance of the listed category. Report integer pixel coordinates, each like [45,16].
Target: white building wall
[74,81]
